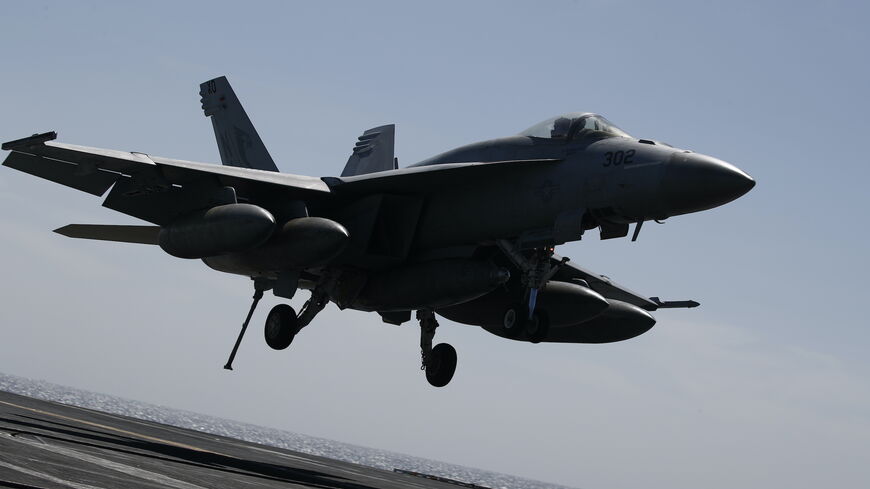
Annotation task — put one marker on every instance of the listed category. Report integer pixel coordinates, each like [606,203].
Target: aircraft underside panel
[381,227]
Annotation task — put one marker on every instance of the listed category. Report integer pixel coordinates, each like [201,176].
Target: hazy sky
[765,385]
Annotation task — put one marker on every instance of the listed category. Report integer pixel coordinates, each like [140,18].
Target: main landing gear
[438,362]
[282,323]
[281,327]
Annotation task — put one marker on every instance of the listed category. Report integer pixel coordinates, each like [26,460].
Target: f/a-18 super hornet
[468,234]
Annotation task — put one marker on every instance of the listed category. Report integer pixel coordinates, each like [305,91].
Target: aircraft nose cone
[693,182]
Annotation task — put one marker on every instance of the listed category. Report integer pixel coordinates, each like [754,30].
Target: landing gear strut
[319,299]
[282,323]
[258,294]
[438,362]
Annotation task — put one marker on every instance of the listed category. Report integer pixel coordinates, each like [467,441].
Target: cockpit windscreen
[575,125]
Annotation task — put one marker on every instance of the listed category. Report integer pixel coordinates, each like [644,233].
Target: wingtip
[30,141]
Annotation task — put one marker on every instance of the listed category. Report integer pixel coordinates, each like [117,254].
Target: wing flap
[109,232]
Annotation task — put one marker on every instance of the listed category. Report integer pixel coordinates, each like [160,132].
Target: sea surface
[372,457]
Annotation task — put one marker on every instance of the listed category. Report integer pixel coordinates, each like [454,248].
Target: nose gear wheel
[441,365]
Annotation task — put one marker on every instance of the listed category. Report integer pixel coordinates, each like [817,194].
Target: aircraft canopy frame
[575,125]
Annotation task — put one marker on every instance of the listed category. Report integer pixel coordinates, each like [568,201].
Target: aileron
[95,182]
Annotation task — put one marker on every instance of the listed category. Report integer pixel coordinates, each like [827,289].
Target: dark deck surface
[49,445]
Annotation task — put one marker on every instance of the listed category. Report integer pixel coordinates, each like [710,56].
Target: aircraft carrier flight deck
[50,445]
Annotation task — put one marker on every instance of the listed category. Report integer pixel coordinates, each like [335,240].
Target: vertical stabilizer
[237,140]
[373,152]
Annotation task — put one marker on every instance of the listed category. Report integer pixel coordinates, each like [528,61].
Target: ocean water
[372,457]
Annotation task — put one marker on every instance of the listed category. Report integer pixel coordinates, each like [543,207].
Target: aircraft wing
[603,285]
[152,188]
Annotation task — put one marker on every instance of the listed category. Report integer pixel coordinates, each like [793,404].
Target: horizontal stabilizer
[111,232]
[373,152]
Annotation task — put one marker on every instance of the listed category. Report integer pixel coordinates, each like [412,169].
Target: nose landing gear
[441,365]
[438,362]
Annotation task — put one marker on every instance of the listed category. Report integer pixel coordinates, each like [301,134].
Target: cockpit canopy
[575,125]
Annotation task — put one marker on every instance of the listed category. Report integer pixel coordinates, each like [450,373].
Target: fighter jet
[469,234]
